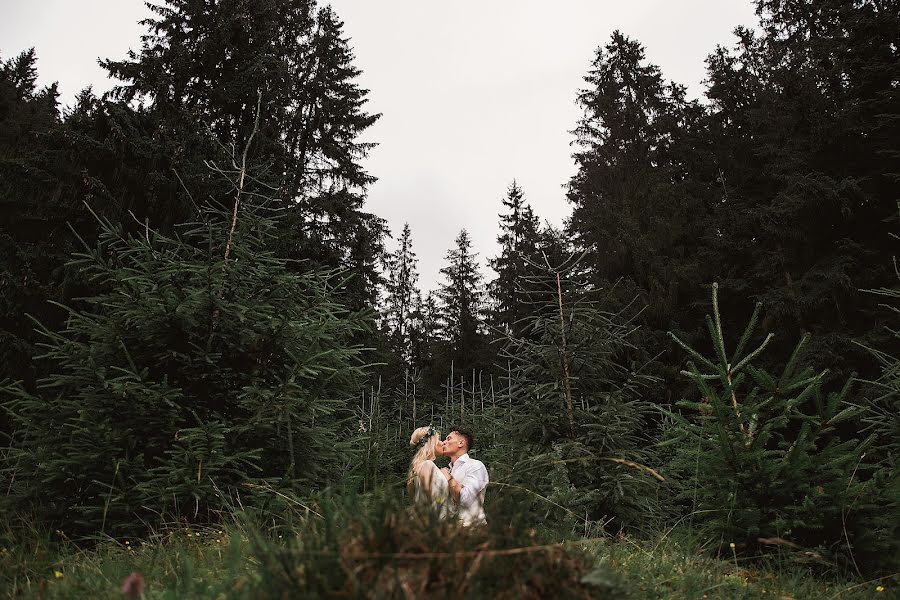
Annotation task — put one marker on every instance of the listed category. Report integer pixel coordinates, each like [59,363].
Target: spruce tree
[635,204]
[104,153]
[570,422]
[884,392]
[24,108]
[401,295]
[780,186]
[201,363]
[771,461]
[642,197]
[462,305]
[424,332]
[210,63]
[518,241]
[26,113]
[880,401]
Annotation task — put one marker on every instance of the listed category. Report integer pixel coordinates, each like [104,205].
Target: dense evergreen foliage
[765,458]
[767,189]
[202,363]
[519,242]
[573,423]
[209,65]
[463,306]
[189,97]
[27,260]
[403,298]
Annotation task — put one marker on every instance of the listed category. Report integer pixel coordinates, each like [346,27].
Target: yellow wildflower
[57,574]
[879,589]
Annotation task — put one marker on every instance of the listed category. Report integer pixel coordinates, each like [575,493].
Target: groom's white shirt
[473,477]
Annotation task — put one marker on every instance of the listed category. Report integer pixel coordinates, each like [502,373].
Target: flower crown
[424,439]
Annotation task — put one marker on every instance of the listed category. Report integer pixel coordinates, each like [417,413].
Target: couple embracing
[456,492]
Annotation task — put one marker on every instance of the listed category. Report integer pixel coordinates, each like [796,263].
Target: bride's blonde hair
[425,452]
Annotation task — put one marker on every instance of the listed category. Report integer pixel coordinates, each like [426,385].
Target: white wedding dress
[437,494]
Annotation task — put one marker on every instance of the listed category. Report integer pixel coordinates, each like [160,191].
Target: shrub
[769,461]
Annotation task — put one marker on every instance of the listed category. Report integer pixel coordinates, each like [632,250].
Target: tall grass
[375,546]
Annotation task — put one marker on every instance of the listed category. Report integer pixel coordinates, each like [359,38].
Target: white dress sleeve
[440,492]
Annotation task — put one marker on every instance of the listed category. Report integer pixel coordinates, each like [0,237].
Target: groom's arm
[466,492]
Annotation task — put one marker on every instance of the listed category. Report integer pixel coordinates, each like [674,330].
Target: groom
[466,477]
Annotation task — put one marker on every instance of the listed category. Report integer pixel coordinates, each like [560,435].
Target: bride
[425,483]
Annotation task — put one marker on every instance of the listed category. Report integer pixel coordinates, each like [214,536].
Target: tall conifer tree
[462,304]
[425,329]
[27,113]
[804,119]
[402,294]
[518,241]
[101,153]
[634,204]
[215,63]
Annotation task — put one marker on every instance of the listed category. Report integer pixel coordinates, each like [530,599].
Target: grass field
[232,563]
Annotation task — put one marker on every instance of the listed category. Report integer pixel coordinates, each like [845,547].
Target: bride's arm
[424,474]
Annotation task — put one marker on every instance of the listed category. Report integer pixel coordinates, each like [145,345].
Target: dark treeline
[206,290]
[781,186]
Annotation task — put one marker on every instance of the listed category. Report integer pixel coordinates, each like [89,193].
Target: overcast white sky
[474,93]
